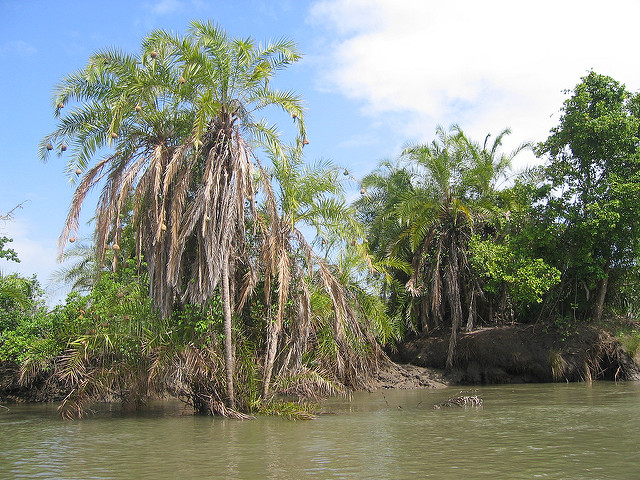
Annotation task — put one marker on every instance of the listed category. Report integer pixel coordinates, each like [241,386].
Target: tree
[382,190]
[16,292]
[8,253]
[174,130]
[593,174]
[309,197]
[434,206]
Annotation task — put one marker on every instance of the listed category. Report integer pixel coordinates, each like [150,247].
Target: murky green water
[560,431]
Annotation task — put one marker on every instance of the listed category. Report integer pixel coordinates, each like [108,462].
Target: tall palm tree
[175,128]
[438,222]
[457,180]
[309,198]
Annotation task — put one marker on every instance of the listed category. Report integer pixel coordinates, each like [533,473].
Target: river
[555,431]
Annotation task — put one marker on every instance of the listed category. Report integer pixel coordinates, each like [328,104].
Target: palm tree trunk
[472,310]
[424,313]
[228,342]
[455,302]
[272,347]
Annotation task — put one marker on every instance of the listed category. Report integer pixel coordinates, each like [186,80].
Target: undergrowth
[626,330]
[288,409]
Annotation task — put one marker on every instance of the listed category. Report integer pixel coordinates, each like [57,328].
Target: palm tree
[382,190]
[310,198]
[438,223]
[447,188]
[80,271]
[175,130]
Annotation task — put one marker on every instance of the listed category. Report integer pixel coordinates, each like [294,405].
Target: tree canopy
[593,186]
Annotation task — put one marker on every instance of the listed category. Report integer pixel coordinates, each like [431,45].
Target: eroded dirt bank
[407,376]
[524,353]
[43,388]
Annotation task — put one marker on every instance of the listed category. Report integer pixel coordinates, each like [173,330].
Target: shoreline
[506,354]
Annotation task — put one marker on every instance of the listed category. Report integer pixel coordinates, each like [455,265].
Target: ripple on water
[526,431]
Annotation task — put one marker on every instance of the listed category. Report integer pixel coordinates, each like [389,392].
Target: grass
[627,331]
[630,341]
[290,410]
[558,365]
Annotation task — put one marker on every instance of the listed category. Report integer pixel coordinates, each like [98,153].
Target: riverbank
[406,376]
[42,388]
[497,355]
[523,354]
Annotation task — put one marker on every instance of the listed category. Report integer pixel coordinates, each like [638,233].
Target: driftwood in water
[461,400]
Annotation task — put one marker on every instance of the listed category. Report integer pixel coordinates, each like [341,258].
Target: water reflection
[526,431]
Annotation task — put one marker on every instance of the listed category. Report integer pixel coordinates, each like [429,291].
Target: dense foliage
[460,251]
[446,233]
[591,201]
[226,270]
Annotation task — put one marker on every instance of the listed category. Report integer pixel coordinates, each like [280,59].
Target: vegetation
[446,233]
[591,192]
[205,251]
[228,270]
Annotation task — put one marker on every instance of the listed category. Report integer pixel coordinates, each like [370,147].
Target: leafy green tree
[8,253]
[506,270]
[101,345]
[593,174]
[23,316]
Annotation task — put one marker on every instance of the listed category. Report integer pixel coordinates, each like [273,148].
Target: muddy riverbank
[523,354]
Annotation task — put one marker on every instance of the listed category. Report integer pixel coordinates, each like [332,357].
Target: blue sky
[376,74]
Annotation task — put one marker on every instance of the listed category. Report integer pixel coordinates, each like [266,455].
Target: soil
[524,353]
[406,376]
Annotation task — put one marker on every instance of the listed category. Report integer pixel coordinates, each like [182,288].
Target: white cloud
[165,7]
[484,65]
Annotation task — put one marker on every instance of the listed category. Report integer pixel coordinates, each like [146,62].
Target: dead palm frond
[298,197]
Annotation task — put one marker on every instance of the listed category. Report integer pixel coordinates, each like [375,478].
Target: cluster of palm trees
[254,248]
[173,137]
[422,214]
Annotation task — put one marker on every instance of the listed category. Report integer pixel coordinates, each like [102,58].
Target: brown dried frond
[301,326]
[115,192]
[89,180]
[305,383]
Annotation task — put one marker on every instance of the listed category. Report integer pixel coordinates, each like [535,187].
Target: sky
[376,75]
